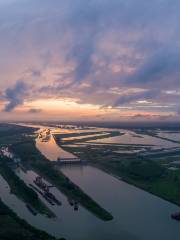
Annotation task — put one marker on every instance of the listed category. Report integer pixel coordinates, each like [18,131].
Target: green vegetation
[29,154]
[146,170]
[12,130]
[10,134]
[21,190]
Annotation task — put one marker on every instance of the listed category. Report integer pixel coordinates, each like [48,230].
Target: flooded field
[131,137]
[86,136]
[175,136]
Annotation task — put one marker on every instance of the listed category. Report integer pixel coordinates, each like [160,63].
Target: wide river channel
[137,214]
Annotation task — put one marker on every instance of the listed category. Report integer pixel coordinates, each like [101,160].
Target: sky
[90,60]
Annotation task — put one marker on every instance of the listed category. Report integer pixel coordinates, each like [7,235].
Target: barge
[46,193]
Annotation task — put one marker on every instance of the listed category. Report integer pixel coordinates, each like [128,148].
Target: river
[138,215]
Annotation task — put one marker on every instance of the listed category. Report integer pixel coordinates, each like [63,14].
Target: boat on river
[46,193]
[76,207]
[176,216]
[31,209]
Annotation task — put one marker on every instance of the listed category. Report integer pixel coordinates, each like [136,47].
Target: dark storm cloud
[152,116]
[178,111]
[82,54]
[133,97]
[35,110]
[15,95]
[157,39]
[84,21]
[163,66]
[35,72]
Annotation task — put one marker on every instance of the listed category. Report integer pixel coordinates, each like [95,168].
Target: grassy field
[10,134]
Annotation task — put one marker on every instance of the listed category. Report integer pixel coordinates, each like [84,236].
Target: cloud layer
[15,96]
[118,53]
